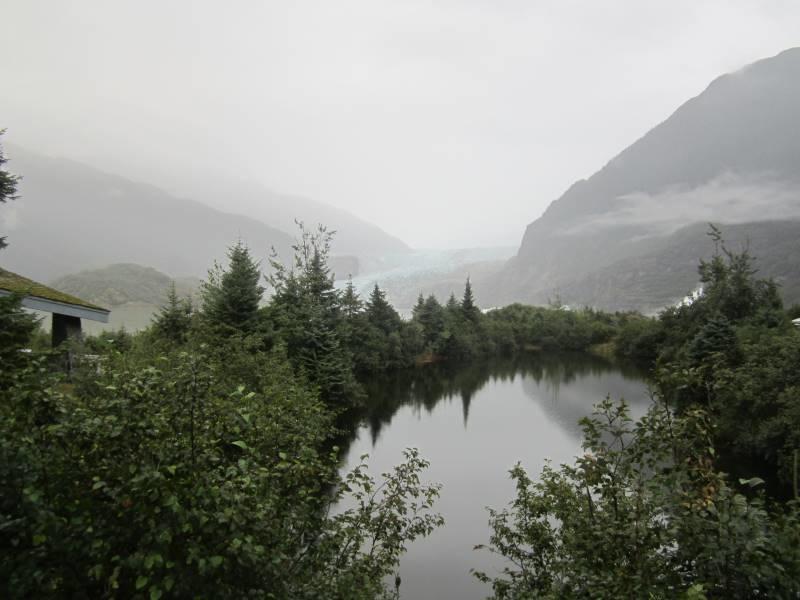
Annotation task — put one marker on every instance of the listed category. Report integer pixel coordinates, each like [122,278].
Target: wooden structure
[67,310]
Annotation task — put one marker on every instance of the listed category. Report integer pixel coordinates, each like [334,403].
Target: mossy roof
[27,287]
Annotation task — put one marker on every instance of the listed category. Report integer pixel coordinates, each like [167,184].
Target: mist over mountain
[97,218]
[72,217]
[437,272]
[730,156]
[618,239]
[354,236]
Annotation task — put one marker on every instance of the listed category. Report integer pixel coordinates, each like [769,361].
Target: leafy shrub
[642,514]
[169,479]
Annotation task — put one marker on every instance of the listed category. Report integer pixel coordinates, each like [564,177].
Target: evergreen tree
[319,285]
[325,362]
[8,186]
[716,336]
[308,283]
[289,312]
[452,304]
[174,318]
[432,318]
[419,307]
[351,302]
[231,298]
[468,307]
[307,310]
[380,313]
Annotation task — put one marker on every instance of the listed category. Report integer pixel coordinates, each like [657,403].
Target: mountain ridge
[354,235]
[96,215]
[731,154]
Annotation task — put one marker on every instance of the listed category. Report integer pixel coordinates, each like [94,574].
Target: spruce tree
[307,311]
[419,307]
[308,283]
[318,283]
[716,336]
[452,304]
[380,313]
[468,307]
[432,318]
[351,302]
[324,361]
[231,298]
[174,318]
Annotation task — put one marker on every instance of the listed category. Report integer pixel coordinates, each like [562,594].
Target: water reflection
[474,423]
[543,376]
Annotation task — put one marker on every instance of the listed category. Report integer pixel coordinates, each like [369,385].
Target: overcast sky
[448,124]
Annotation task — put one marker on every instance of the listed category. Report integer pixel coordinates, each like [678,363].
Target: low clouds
[449,124]
[729,198]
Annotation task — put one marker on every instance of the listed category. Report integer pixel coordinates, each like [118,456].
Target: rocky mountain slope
[664,271]
[730,156]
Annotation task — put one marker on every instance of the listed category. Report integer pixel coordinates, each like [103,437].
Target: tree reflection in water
[423,388]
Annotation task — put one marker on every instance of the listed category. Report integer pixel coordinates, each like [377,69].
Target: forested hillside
[122,283]
[663,271]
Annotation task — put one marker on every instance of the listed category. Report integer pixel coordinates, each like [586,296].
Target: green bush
[638,339]
[643,514]
[164,477]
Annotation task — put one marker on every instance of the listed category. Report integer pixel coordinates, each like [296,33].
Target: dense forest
[198,458]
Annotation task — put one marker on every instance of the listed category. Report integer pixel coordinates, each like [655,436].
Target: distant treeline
[333,336]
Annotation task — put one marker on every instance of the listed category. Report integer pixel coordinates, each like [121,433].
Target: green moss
[27,287]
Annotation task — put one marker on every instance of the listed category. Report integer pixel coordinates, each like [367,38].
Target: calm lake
[473,424]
